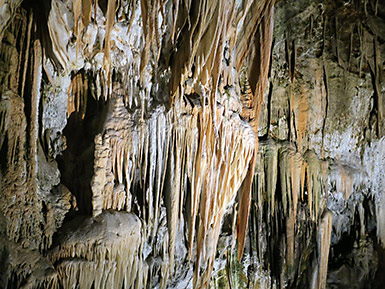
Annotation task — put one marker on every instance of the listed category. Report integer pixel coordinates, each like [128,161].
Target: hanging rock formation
[320,158]
[192,144]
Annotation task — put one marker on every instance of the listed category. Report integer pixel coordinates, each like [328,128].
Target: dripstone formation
[192,144]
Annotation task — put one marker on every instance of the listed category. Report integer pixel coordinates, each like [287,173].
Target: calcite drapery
[147,97]
[172,147]
[131,157]
[100,252]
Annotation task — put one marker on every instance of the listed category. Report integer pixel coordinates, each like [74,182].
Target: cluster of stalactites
[285,180]
[302,178]
[202,156]
[296,187]
[373,161]
[22,194]
[187,161]
[191,42]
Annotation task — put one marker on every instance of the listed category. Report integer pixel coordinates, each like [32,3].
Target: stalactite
[257,72]
[174,149]
[59,33]
[25,176]
[257,77]
[7,14]
[12,126]
[375,71]
[86,12]
[289,170]
[214,182]
[252,18]
[122,165]
[18,180]
[29,29]
[282,175]
[373,161]
[77,95]
[313,182]
[227,171]
[123,170]
[323,244]
[107,45]
[78,25]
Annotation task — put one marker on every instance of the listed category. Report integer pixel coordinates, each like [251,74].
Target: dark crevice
[76,162]
[348,257]
[325,80]
[4,153]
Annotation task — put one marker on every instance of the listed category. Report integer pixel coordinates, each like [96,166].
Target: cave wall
[178,144]
[321,149]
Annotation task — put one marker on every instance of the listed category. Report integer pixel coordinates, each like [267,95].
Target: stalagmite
[102,252]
